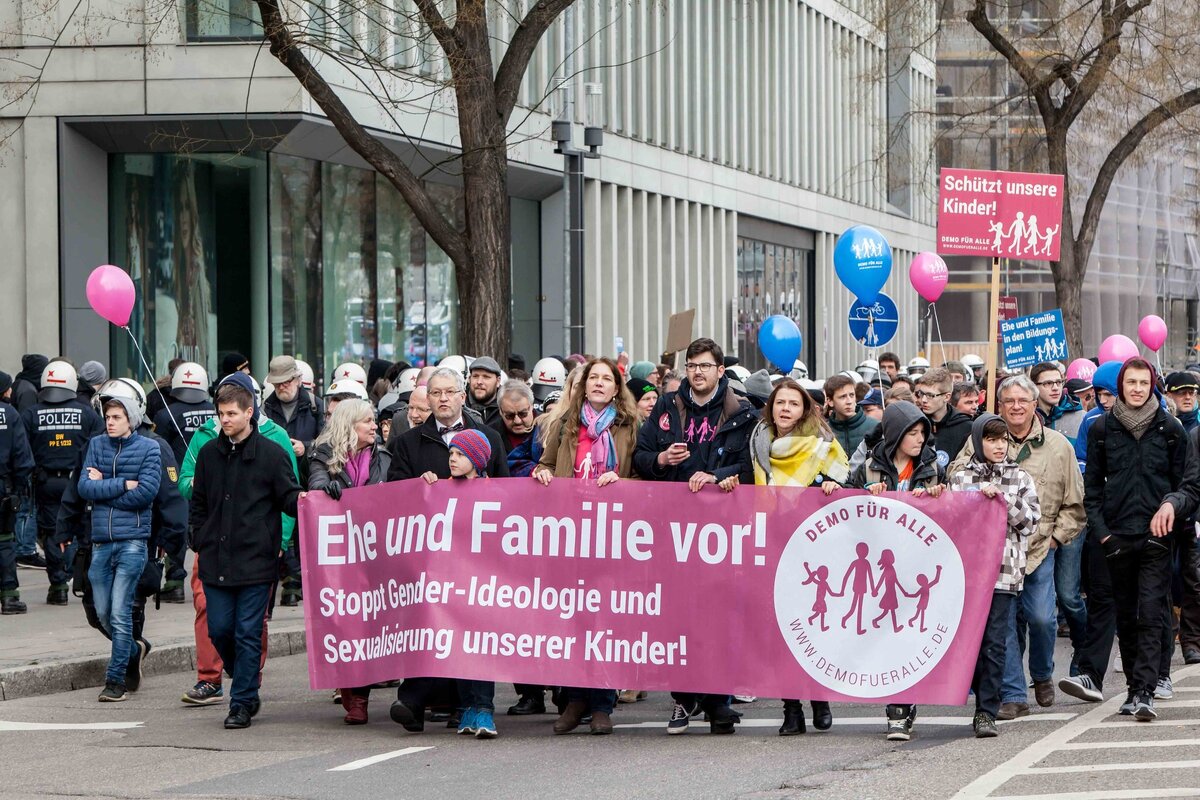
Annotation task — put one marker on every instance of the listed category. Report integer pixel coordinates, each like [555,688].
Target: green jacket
[209,432]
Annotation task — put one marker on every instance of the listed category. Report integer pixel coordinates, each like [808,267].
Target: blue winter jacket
[119,514]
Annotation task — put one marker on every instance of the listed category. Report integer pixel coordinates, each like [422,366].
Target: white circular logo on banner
[869,594]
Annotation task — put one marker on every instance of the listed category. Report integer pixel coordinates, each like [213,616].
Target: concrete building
[741,138]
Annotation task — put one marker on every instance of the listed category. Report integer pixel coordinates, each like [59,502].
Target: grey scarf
[1136,420]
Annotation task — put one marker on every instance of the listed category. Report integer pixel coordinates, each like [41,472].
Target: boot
[601,723]
[822,716]
[172,595]
[793,719]
[722,718]
[356,708]
[56,596]
[571,717]
[12,605]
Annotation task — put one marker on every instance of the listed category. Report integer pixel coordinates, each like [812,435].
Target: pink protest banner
[999,214]
[774,592]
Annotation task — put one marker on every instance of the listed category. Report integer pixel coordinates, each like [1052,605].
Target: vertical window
[222,20]
[296,289]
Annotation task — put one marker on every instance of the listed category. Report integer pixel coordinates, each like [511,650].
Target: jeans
[477,694]
[603,700]
[1037,605]
[114,573]
[235,627]
[1068,562]
[989,667]
[27,527]
[1141,582]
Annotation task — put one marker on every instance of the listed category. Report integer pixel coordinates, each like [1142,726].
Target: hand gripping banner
[775,592]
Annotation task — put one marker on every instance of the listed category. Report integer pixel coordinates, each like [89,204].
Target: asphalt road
[154,747]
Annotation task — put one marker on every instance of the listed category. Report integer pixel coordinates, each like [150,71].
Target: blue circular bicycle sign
[874,325]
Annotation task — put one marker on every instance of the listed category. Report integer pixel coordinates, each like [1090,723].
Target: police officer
[168,523]
[16,464]
[187,410]
[59,426]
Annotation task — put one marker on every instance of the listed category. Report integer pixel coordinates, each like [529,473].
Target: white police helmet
[189,383]
[350,371]
[60,383]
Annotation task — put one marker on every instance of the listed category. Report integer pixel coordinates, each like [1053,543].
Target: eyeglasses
[1016,401]
[923,395]
[516,414]
[705,367]
[1051,384]
[443,394]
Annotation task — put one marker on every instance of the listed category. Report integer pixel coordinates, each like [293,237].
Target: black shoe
[984,725]
[290,599]
[133,670]
[822,716]
[793,720]
[411,717]
[56,597]
[172,595]
[721,718]
[255,707]
[12,605]
[1191,655]
[558,696]
[112,693]
[239,717]
[34,561]
[528,705]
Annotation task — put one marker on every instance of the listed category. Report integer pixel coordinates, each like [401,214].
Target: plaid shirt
[1024,512]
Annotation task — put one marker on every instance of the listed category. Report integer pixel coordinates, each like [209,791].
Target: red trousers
[208,663]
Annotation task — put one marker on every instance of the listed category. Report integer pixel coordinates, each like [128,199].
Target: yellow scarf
[796,459]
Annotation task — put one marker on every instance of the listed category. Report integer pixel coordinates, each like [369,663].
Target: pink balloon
[928,275]
[1118,347]
[110,293]
[1080,368]
[1152,330]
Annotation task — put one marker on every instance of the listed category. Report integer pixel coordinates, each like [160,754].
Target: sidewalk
[53,649]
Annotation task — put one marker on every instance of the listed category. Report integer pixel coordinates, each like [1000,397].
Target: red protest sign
[999,214]
[1007,309]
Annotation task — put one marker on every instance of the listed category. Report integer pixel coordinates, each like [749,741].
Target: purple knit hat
[474,445]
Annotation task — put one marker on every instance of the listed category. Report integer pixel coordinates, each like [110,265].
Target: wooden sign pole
[994,333]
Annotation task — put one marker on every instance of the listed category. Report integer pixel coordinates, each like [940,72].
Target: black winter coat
[238,494]
[422,450]
[318,468]
[718,440]
[307,421]
[950,435]
[1128,479]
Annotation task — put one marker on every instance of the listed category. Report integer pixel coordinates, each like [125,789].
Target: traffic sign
[874,325]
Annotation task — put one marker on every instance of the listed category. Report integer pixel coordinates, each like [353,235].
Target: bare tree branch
[437,23]
[520,50]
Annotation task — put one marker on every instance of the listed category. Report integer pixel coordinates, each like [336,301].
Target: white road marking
[879,721]
[1023,762]
[68,726]
[1141,766]
[1131,744]
[366,762]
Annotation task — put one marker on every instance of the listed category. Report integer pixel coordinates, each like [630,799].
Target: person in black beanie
[28,381]
[231,363]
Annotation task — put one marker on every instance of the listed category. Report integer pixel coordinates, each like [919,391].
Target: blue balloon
[863,261]
[779,341]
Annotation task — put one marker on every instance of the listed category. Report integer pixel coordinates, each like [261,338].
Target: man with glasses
[1182,387]
[293,408]
[698,435]
[1057,409]
[1050,460]
[951,429]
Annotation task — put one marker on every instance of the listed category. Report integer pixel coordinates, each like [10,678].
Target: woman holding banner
[345,456]
[793,446]
[593,441]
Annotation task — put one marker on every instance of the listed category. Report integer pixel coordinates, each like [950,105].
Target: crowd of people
[1100,479]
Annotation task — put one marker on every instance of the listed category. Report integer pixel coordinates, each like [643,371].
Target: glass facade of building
[274,254]
[773,279]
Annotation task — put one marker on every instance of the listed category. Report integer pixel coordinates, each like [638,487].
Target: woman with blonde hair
[348,455]
[593,440]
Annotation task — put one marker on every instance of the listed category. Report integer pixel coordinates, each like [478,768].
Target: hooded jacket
[1105,377]
[120,514]
[851,432]
[1066,417]
[898,419]
[1020,497]
[717,434]
[28,381]
[1129,478]
[1050,460]
[950,435]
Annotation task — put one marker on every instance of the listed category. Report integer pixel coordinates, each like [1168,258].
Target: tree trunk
[484,282]
[1068,271]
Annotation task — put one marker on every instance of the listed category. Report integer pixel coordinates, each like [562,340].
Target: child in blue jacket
[121,476]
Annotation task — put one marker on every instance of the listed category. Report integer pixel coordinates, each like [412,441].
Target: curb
[89,671]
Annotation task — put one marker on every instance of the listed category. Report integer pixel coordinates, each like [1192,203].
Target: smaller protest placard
[1035,338]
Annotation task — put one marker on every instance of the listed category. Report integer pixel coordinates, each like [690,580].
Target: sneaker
[133,670]
[485,725]
[984,725]
[898,730]
[112,693]
[1143,709]
[1128,706]
[467,725]
[34,561]
[203,693]
[1164,690]
[744,698]
[679,719]
[1081,687]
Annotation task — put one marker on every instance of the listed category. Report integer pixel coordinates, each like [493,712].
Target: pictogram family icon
[860,580]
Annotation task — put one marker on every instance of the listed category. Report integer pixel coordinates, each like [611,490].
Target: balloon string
[150,372]
[938,326]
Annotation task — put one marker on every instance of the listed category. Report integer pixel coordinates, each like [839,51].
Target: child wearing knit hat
[470,453]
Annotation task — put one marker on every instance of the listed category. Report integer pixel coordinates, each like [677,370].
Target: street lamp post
[573,158]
